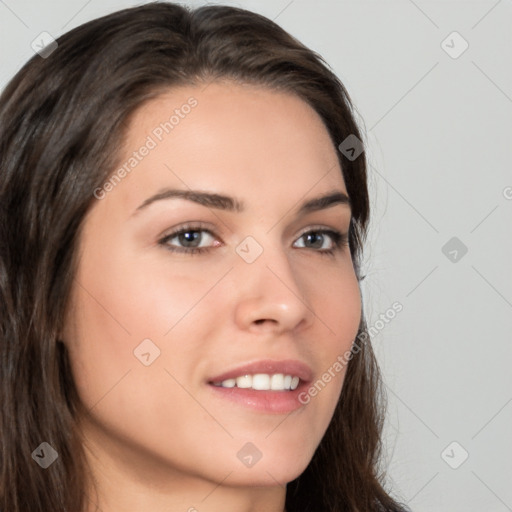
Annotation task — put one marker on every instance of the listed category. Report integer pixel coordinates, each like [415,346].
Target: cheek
[118,310]
[337,306]
[128,307]
[144,294]
[118,304]
[338,310]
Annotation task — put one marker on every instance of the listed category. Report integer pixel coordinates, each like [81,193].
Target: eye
[317,238]
[190,238]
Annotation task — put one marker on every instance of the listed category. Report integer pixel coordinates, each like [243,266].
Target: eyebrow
[231,204]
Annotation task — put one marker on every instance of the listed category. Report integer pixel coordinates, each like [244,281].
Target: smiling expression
[222,254]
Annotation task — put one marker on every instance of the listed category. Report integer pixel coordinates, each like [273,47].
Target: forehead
[244,139]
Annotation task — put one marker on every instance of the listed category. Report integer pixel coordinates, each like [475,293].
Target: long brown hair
[60,117]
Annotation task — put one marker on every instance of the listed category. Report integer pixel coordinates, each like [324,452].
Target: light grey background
[440,146]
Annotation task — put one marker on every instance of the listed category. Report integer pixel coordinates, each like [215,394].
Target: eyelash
[340,240]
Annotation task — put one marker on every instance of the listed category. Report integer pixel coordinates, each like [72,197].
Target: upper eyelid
[201,227]
[187,227]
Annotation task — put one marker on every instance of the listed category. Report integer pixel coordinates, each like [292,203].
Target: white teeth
[242,382]
[277,381]
[262,382]
[230,383]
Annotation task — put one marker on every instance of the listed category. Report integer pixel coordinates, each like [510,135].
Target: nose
[270,294]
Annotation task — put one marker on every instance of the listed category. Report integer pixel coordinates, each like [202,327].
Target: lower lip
[274,402]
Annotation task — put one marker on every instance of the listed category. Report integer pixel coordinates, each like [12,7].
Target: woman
[184,203]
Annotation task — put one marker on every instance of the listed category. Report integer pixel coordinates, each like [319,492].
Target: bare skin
[158,437]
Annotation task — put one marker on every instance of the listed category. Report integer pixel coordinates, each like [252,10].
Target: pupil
[189,236]
[316,236]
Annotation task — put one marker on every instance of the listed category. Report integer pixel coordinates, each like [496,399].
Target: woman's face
[154,326]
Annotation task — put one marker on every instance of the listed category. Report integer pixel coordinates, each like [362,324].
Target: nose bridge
[267,287]
[265,259]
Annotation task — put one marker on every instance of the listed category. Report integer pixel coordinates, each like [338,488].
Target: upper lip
[268,366]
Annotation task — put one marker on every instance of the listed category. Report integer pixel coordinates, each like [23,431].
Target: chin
[272,477]
[276,470]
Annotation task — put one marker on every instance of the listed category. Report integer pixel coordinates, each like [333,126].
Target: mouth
[262,382]
[265,386]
